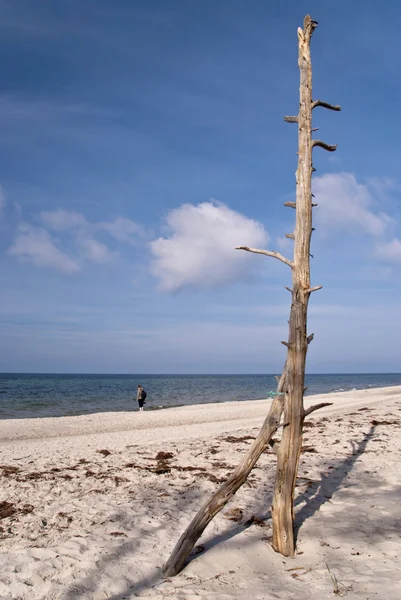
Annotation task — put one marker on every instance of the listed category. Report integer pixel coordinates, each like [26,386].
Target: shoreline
[179,416]
[46,398]
[94,511]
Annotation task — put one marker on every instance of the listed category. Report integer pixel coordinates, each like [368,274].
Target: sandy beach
[91,506]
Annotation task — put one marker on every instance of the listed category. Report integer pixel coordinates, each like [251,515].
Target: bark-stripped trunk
[292,379]
[291,441]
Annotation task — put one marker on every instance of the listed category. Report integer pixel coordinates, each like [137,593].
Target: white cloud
[63,220]
[123,230]
[34,245]
[200,250]
[343,203]
[389,250]
[95,251]
[37,246]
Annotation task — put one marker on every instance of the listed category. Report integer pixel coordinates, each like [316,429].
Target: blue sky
[141,141]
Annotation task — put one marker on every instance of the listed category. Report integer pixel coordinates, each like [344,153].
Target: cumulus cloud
[346,204]
[95,251]
[389,250]
[200,248]
[34,245]
[38,246]
[123,230]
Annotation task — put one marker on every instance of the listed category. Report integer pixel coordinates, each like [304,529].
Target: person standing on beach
[141,395]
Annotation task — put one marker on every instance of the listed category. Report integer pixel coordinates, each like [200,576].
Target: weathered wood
[312,409]
[325,105]
[292,379]
[271,253]
[291,441]
[220,498]
[298,340]
[328,147]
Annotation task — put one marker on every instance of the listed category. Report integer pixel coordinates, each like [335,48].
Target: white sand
[96,527]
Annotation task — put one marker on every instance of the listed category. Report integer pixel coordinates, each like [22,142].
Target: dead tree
[292,379]
[289,449]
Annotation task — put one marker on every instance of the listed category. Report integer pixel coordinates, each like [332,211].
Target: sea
[26,396]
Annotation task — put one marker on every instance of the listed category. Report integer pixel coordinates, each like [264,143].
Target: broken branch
[291,119]
[325,105]
[290,204]
[312,409]
[314,289]
[328,147]
[267,253]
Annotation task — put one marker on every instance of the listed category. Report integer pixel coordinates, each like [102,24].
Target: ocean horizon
[33,395]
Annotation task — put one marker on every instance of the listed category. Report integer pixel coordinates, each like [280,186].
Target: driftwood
[220,498]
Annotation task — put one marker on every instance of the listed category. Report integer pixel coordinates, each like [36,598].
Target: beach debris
[7,509]
[234,440]
[7,470]
[254,520]
[104,452]
[308,449]
[164,455]
[234,514]
[338,588]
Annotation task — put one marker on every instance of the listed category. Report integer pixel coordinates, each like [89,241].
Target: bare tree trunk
[220,498]
[292,379]
[290,446]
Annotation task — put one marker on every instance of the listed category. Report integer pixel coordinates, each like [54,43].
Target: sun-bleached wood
[220,498]
[292,380]
[315,407]
[290,446]
[267,253]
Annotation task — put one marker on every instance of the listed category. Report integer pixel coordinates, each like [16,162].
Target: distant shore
[91,505]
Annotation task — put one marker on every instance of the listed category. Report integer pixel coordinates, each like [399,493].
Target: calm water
[26,396]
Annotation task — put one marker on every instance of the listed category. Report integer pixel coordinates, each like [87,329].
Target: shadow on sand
[314,498]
